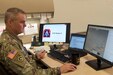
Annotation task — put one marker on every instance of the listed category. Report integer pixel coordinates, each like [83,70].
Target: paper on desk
[46,48]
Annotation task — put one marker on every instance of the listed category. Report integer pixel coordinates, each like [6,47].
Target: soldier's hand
[67,67]
[41,54]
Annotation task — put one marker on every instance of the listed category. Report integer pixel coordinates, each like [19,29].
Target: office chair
[4,71]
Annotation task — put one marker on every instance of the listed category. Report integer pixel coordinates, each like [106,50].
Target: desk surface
[82,68]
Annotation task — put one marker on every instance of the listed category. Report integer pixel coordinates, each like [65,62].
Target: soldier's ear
[9,21]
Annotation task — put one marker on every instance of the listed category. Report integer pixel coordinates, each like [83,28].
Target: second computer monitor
[54,32]
[77,41]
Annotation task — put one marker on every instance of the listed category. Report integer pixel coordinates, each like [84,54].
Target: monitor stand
[98,64]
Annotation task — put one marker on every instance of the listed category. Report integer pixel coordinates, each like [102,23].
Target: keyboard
[61,56]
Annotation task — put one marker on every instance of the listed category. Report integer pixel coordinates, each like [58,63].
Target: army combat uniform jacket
[15,58]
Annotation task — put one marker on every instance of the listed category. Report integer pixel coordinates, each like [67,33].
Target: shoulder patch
[12,54]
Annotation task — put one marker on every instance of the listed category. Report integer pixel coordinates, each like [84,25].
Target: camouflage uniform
[15,58]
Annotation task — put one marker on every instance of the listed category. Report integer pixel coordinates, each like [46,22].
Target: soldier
[13,54]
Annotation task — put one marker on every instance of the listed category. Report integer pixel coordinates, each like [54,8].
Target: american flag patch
[12,54]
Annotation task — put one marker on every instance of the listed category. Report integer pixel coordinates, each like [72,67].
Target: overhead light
[37,15]
[29,16]
[49,15]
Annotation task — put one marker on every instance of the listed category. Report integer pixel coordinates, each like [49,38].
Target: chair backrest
[3,71]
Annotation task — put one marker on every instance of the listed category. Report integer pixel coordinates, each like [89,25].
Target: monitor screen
[99,44]
[54,32]
[77,41]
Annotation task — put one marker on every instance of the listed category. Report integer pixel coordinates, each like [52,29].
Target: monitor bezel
[98,57]
[68,26]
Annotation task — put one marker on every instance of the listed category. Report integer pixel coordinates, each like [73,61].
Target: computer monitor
[54,32]
[99,44]
[76,45]
[77,41]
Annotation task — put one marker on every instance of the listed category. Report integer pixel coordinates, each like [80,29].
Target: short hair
[11,13]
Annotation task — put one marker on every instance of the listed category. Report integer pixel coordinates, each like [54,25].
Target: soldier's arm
[16,61]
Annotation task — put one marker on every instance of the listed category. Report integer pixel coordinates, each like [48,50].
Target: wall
[82,12]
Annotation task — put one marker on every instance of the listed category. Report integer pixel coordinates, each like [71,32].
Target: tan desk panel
[82,69]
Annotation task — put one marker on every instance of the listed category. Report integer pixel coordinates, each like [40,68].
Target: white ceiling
[28,6]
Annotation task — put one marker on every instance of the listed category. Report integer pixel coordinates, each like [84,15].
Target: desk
[82,69]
